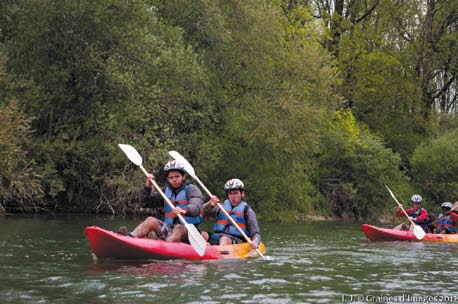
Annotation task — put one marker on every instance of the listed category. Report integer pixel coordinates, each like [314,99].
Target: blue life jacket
[179,200]
[425,223]
[444,222]
[237,214]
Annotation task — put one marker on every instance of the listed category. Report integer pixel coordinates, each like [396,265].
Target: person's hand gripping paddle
[187,166]
[195,238]
[417,230]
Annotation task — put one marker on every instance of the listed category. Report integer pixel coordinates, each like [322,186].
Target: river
[48,260]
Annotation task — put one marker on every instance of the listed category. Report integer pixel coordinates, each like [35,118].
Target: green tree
[353,167]
[398,63]
[435,167]
[102,73]
[242,89]
[380,83]
[20,181]
[273,83]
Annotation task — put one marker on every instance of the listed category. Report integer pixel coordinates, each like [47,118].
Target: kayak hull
[109,244]
[374,233]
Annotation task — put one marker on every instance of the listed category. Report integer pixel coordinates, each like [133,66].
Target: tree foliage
[397,61]
[274,84]
[20,183]
[102,73]
[435,167]
[353,168]
[310,103]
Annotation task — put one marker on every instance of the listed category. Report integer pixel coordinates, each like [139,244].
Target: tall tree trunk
[336,29]
[427,64]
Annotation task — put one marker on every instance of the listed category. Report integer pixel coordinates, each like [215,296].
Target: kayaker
[445,219]
[416,213]
[224,232]
[187,199]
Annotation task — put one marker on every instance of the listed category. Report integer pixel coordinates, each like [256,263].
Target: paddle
[417,230]
[195,238]
[454,207]
[177,156]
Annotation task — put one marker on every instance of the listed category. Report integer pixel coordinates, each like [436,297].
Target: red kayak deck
[374,233]
[109,244]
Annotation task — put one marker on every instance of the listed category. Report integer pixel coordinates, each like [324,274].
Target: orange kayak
[374,233]
[109,244]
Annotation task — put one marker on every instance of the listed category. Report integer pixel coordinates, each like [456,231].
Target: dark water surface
[48,260]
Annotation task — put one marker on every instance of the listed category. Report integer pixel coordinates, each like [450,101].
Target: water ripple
[51,262]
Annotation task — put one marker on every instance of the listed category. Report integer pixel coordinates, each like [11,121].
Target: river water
[48,260]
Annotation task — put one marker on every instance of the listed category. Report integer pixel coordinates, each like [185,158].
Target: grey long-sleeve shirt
[153,199]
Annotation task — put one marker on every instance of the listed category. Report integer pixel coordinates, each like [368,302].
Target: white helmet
[416,198]
[174,165]
[233,184]
[446,205]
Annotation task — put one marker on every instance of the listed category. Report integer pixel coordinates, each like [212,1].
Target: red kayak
[109,244]
[374,233]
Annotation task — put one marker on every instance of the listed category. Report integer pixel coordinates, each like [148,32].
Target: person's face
[234,196]
[175,179]
[416,206]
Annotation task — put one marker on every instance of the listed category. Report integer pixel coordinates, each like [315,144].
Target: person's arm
[149,198]
[399,212]
[454,216]
[195,201]
[210,208]
[422,217]
[253,227]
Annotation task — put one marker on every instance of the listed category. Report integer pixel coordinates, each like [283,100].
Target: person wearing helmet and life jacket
[224,232]
[416,213]
[187,199]
[445,219]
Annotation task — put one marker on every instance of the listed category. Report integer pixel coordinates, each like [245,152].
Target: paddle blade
[131,154]
[187,166]
[418,232]
[196,239]
[454,207]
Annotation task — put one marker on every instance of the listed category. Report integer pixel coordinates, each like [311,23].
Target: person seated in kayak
[445,219]
[187,199]
[224,232]
[416,213]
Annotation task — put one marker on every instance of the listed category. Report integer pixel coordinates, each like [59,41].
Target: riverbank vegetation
[315,105]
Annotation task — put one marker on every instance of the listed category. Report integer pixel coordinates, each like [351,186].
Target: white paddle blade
[196,239]
[131,154]
[187,166]
[418,232]
[454,207]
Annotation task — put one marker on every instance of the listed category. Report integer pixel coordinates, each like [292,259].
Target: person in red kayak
[446,219]
[224,232]
[416,213]
[187,199]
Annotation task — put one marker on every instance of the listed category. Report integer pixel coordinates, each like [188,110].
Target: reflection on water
[151,268]
[49,261]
